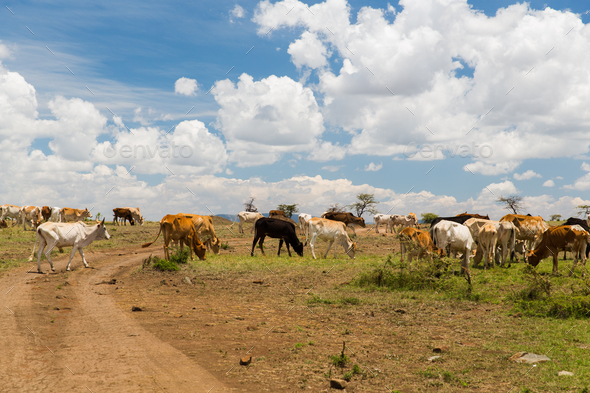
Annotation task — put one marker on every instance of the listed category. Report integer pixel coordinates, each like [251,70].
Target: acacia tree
[288,209]
[427,218]
[366,202]
[583,210]
[512,203]
[336,208]
[249,205]
[555,217]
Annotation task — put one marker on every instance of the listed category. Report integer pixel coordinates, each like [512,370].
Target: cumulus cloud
[186,86]
[582,183]
[4,51]
[262,120]
[526,175]
[372,167]
[549,183]
[236,13]
[399,83]
[332,168]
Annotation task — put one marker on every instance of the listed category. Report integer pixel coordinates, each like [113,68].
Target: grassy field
[391,315]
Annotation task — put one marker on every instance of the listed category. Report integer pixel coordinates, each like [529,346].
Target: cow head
[86,214]
[213,245]
[102,231]
[199,248]
[351,252]
[532,258]
[298,248]
[360,221]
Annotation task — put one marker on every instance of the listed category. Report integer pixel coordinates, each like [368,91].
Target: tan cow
[558,238]
[135,214]
[10,211]
[332,231]
[506,236]
[204,226]
[30,215]
[73,215]
[418,242]
[250,217]
[488,235]
[179,228]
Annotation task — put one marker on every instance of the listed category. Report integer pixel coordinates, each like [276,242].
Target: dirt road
[63,332]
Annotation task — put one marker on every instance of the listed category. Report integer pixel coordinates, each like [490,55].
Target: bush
[164,265]
[180,257]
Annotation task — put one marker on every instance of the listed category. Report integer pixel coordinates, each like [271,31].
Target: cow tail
[34,245]
[150,243]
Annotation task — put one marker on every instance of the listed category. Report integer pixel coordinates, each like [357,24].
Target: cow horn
[102,222]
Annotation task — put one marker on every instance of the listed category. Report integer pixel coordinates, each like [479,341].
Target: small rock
[258,282]
[565,374]
[209,324]
[251,328]
[178,316]
[400,311]
[164,282]
[337,384]
[240,318]
[56,308]
[528,358]
[61,297]
[433,358]
[187,280]
[441,349]
[245,361]
[135,308]
[438,338]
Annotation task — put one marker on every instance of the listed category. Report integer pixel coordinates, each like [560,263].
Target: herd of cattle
[473,235]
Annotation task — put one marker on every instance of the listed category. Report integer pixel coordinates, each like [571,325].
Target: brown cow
[30,215]
[274,213]
[46,213]
[179,228]
[347,218]
[423,244]
[528,228]
[124,214]
[557,238]
[486,217]
[204,226]
[73,215]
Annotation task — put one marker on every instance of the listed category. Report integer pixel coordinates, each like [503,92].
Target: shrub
[164,265]
[180,257]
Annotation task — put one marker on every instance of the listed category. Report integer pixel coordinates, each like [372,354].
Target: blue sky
[447,67]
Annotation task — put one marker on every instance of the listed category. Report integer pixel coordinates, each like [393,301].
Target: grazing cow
[179,229]
[135,214]
[528,228]
[30,215]
[347,218]
[122,213]
[78,235]
[73,215]
[10,211]
[458,220]
[584,225]
[505,239]
[486,217]
[419,242]
[332,231]
[277,229]
[250,217]
[55,214]
[204,226]
[457,237]
[557,238]
[488,235]
[275,213]
[382,219]
[402,221]
[303,219]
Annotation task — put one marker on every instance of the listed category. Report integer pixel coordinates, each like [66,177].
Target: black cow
[277,229]
[459,220]
[583,224]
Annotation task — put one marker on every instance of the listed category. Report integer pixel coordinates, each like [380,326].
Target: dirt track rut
[83,341]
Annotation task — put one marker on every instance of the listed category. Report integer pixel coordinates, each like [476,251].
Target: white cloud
[5,51]
[308,51]
[415,58]
[585,167]
[237,12]
[549,183]
[262,120]
[332,168]
[526,175]
[186,86]
[583,183]
[326,151]
[372,167]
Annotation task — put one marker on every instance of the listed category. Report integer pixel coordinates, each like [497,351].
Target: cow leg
[564,255]
[74,249]
[256,238]
[42,244]
[240,230]
[281,246]
[288,250]
[353,231]
[555,262]
[377,228]
[312,245]
[81,251]
[260,244]
[49,245]
[328,250]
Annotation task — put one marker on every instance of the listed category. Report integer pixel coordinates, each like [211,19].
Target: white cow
[332,231]
[457,237]
[382,219]
[135,214]
[506,236]
[10,211]
[250,217]
[64,234]
[303,219]
[488,236]
[30,215]
[403,221]
[55,214]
